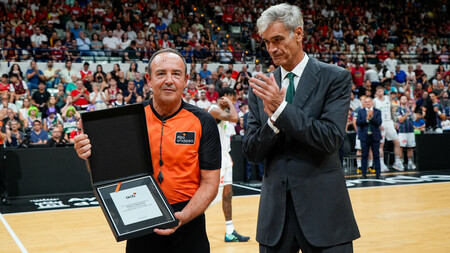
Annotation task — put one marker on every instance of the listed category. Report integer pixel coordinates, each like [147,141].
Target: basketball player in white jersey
[388,131]
[225,113]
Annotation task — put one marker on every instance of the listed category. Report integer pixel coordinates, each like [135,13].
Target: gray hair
[166,50]
[289,15]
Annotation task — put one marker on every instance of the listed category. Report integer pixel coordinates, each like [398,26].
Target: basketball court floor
[406,212]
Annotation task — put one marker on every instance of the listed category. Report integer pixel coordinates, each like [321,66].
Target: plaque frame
[116,146]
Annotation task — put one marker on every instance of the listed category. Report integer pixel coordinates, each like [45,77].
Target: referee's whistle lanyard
[160,174]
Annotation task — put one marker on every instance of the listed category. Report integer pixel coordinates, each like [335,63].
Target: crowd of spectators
[220,31]
[350,34]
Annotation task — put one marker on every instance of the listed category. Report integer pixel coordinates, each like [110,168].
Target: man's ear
[148,77]
[186,80]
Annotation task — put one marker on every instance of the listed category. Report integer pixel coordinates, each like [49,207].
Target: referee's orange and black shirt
[186,142]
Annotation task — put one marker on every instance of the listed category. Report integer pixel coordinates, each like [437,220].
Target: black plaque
[121,171]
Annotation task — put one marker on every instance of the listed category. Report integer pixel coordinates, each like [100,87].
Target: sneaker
[358,171]
[411,166]
[236,237]
[398,166]
[371,170]
[384,168]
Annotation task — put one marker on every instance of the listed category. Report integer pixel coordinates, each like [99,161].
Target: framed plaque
[121,171]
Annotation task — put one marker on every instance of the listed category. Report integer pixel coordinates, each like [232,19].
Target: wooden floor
[411,218]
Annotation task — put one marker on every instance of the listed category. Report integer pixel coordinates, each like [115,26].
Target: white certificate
[135,204]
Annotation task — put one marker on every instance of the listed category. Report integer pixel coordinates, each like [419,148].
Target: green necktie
[290,90]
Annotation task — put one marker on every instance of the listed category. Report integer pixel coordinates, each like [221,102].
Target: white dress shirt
[298,71]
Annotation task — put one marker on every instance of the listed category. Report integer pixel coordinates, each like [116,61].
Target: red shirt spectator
[358,74]
[211,94]
[382,55]
[80,99]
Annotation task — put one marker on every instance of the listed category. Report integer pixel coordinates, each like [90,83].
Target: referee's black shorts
[190,237]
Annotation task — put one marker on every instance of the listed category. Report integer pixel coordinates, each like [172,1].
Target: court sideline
[403,218]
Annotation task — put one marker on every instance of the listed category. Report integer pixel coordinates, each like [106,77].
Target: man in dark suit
[368,122]
[296,124]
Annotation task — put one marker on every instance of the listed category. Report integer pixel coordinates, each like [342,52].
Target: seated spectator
[71,85]
[51,120]
[51,75]
[43,53]
[191,88]
[83,43]
[419,122]
[72,52]
[58,51]
[76,29]
[225,56]
[34,75]
[23,111]
[122,83]
[15,136]
[15,69]
[40,97]
[188,98]
[132,52]
[211,94]
[96,46]
[60,96]
[31,116]
[130,94]
[57,138]
[6,103]
[111,44]
[38,135]
[90,30]
[139,83]
[5,86]
[204,72]
[400,78]
[38,37]
[75,132]
[130,76]
[203,102]
[51,103]
[85,71]
[70,116]
[9,53]
[231,82]
[80,96]
[98,97]
[240,93]
[119,101]
[23,43]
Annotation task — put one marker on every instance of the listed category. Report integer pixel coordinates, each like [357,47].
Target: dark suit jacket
[305,152]
[363,125]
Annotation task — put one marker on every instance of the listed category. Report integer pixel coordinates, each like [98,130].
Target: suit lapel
[277,75]
[307,83]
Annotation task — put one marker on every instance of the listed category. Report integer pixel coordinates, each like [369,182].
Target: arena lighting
[201,15]
[257,60]
[195,9]
[268,70]
[218,28]
[228,35]
[246,52]
[212,25]
[208,21]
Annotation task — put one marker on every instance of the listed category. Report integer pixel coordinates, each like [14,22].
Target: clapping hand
[267,89]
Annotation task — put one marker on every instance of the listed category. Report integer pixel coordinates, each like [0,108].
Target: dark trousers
[292,239]
[366,145]
[189,238]
[248,170]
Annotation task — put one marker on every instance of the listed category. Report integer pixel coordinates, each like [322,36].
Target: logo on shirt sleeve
[185,138]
